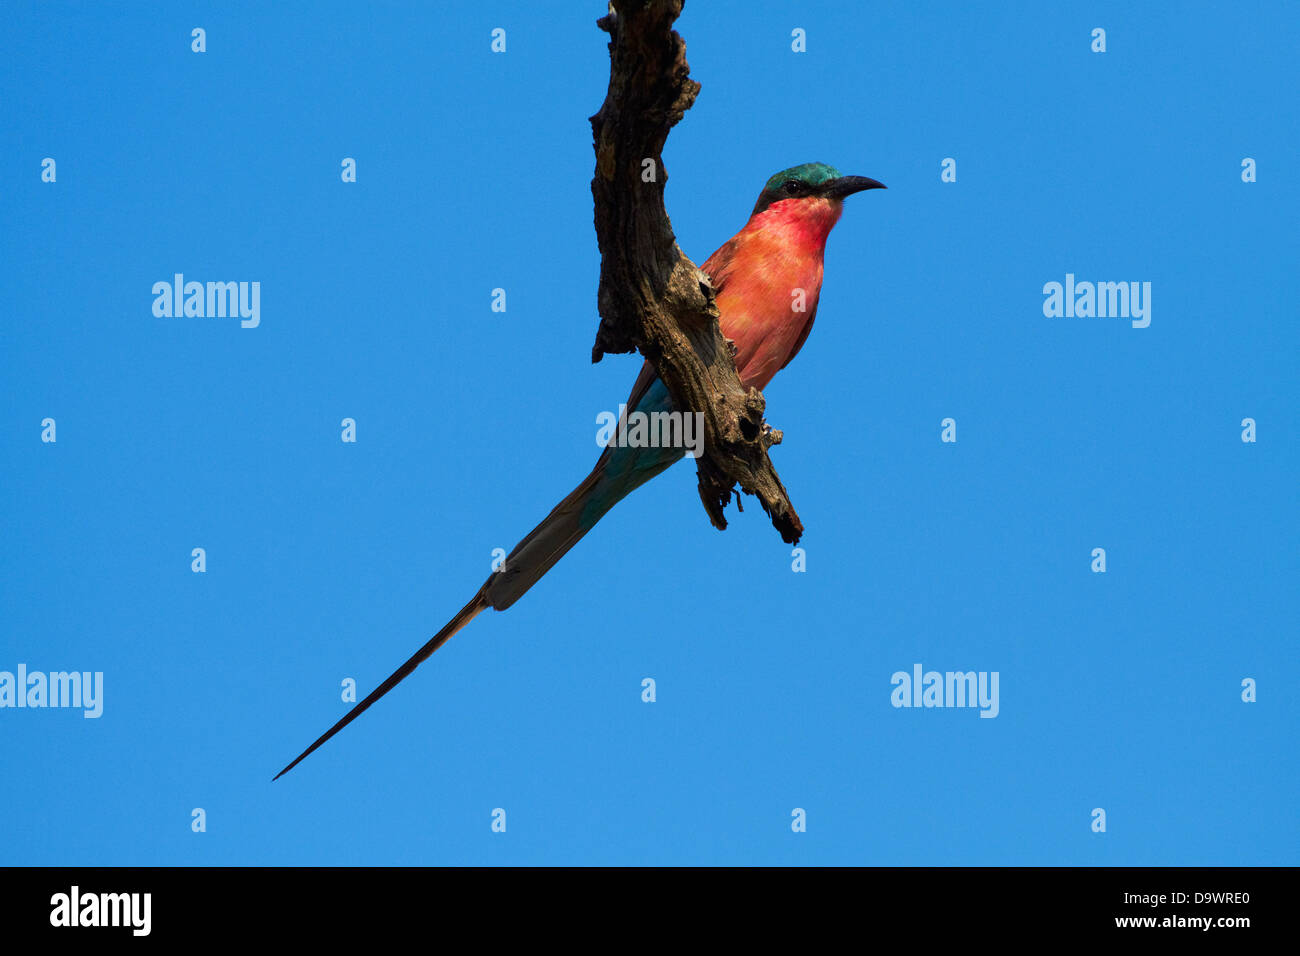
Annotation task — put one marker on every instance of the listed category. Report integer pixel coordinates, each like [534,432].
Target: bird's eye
[792,186]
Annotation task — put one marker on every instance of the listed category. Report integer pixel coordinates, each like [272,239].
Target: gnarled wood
[651,296]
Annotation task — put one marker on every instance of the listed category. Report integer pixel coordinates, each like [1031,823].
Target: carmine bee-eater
[754,274]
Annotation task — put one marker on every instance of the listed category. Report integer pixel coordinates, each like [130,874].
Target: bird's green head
[811,181]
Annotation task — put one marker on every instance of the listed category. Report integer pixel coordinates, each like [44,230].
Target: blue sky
[328,560]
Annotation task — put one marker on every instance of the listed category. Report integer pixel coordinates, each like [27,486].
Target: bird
[755,275]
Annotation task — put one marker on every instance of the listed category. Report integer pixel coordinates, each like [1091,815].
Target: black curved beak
[848,185]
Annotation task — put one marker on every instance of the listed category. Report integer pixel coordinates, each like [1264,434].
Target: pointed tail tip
[467,614]
[310,750]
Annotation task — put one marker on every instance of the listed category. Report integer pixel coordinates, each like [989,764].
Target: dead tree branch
[651,296]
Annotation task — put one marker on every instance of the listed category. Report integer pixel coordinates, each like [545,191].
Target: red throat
[802,223]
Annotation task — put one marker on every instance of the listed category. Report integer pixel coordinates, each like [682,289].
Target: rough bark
[651,296]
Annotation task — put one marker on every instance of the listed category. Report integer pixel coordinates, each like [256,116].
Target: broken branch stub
[651,296]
